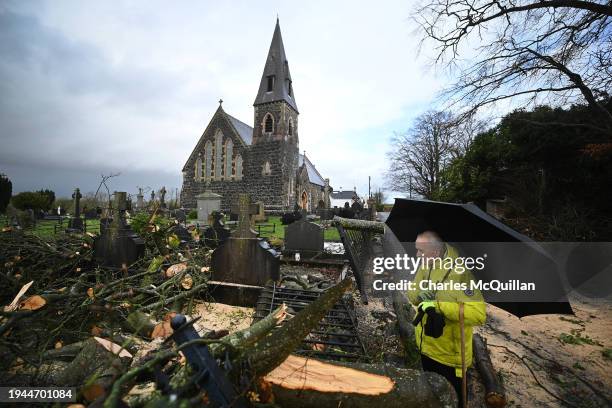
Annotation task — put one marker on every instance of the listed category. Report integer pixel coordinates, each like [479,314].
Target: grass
[46,229]
[577,338]
[274,229]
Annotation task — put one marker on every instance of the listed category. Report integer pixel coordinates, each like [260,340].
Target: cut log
[94,369]
[405,316]
[372,226]
[495,395]
[309,383]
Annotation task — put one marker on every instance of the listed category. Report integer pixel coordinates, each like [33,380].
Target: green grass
[278,231]
[50,228]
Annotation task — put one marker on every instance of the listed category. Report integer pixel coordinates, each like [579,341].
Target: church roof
[244,131]
[343,195]
[313,175]
[277,66]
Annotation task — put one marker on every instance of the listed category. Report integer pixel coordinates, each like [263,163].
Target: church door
[305,200]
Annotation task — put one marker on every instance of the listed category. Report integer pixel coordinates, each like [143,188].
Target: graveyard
[97,305]
[174,230]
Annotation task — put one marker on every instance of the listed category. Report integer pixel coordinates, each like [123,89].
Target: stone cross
[162,197]
[77,203]
[152,196]
[245,210]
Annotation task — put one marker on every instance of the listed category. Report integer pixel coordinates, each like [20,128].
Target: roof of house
[343,195]
[313,175]
[244,131]
[276,65]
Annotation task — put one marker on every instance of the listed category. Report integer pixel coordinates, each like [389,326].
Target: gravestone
[162,197]
[217,233]
[180,215]
[244,258]
[252,210]
[304,236]
[117,244]
[207,203]
[140,200]
[260,215]
[76,223]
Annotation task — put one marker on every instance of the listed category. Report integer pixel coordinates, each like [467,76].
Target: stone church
[232,157]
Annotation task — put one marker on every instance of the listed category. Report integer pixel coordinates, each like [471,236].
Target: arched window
[266,170]
[218,155]
[238,167]
[208,148]
[268,123]
[229,153]
[198,169]
[290,127]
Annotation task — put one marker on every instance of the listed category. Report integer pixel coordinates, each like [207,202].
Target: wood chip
[174,269]
[113,347]
[33,303]
[13,305]
[91,392]
[187,282]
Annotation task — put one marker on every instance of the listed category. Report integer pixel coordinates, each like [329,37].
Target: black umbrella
[511,256]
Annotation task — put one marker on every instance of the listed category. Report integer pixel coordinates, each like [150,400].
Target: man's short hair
[433,238]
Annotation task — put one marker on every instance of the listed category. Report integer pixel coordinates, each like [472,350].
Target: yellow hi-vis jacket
[446,349]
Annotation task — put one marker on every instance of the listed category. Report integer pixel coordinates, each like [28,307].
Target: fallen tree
[308,383]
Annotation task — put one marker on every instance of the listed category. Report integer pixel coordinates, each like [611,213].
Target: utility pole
[369,189]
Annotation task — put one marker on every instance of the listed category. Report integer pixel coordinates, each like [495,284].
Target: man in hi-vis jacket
[439,309]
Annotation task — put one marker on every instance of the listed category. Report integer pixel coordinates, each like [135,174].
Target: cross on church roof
[220,102]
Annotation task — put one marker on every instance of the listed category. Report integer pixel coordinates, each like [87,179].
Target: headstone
[180,215]
[244,258]
[244,212]
[260,215]
[140,199]
[76,223]
[162,197]
[304,236]
[152,196]
[207,203]
[117,244]
[217,233]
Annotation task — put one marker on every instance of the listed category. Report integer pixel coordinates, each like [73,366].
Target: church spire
[275,82]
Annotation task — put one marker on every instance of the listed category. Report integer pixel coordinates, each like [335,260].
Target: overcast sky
[128,86]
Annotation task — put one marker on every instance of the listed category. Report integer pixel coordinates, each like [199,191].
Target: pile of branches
[68,322]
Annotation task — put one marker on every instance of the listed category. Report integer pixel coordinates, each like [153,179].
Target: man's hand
[427,304]
[426,295]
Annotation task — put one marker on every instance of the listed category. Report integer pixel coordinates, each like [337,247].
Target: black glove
[434,326]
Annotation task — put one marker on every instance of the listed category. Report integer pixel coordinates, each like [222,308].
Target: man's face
[426,248]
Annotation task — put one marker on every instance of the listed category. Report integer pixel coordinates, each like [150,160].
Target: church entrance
[304,200]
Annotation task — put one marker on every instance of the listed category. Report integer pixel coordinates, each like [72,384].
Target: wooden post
[463,368]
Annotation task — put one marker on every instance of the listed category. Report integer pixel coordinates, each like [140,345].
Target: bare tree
[531,51]
[418,157]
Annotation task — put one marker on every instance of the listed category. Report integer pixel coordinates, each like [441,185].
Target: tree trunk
[495,395]
[372,226]
[309,383]
[405,316]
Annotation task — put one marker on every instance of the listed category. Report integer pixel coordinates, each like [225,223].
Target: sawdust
[219,316]
[566,354]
